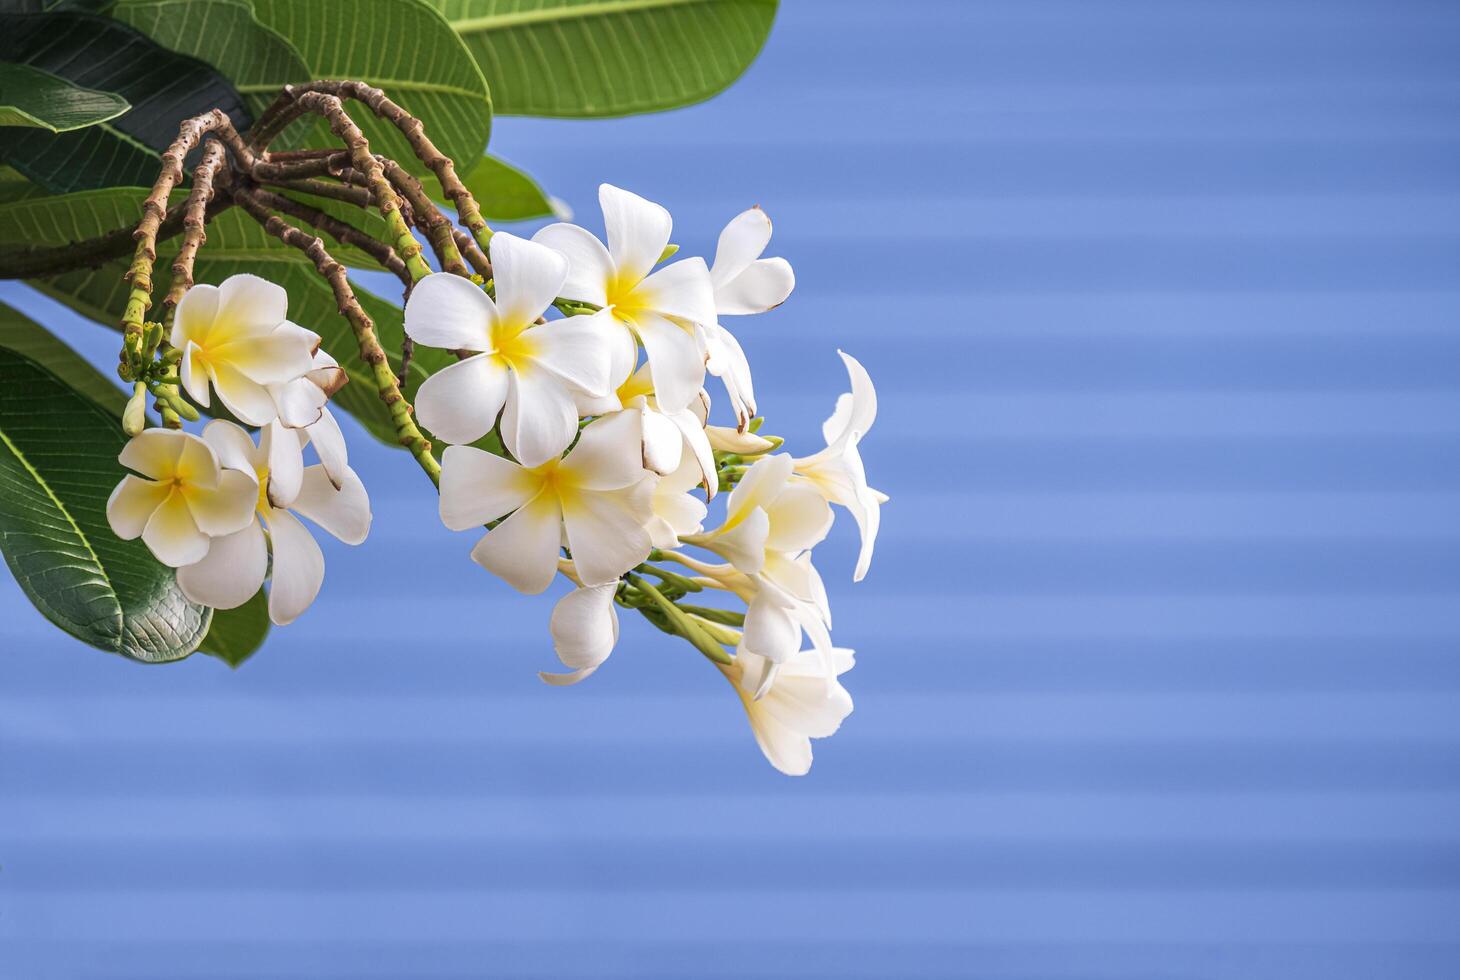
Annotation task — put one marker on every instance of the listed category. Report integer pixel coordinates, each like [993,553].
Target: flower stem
[370,350]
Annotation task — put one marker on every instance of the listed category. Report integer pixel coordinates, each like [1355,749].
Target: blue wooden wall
[1159,663]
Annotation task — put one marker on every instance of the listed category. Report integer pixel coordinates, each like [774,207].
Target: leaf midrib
[550,14]
[66,513]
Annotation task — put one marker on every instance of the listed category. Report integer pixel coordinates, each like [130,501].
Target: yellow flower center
[264,507]
[513,344]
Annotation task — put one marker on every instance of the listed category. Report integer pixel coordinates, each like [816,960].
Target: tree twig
[369,342]
[341,231]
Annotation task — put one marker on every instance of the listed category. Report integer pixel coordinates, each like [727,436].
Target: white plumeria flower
[664,310]
[531,374]
[584,626]
[668,434]
[806,703]
[597,497]
[236,340]
[770,526]
[185,500]
[744,283]
[837,470]
[236,565]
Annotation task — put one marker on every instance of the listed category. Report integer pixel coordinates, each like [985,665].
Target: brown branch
[49,260]
[370,350]
[358,196]
[341,231]
[474,255]
[195,217]
[409,126]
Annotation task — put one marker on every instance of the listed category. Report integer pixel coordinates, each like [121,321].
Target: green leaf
[235,244]
[23,335]
[505,193]
[31,97]
[608,57]
[58,466]
[236,634]
[15,187]
[94,52]
[401,46]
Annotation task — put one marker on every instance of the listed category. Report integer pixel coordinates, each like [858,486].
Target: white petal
[233,571]
[194,316]
[298,568]
[329,443]
[154,452]
[450,312]
[678,362]
[272,358]
[132,503]
[194,375]
[459,404]
[761,484]
[771,629]
[609,454]
[727,361]
[579,350]
[173,535]
[233,446]
[249,401]
[248,305]
[584,627]
[590,268]
[197,464]
[800,518]
[478,487]
[343,512]
[869,518]
[693,433]
[227,508]
[540,418]
[854,411]
[528,277]
[681,289]
[523,549]
[606,531]
[815,706]
[765,284]
[299,402]
[740,244]
[637,231]
[286,463]
[743,544]
[663,444]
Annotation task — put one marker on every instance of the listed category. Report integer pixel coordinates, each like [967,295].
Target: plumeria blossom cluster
[223,507]
[582,445]
[572,431]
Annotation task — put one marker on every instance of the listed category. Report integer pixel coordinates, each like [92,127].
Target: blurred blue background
[1157,671]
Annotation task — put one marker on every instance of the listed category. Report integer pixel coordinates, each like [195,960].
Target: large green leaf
[15,187]
[23,335]
[58,466]
[235,244]
[31,97]
[99,53]
[237,633]
[608,57]
[401,46]
[505,193]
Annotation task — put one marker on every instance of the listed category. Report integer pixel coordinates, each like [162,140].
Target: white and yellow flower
[837,472]
[182,500]
[668,434]
[805,703]
[237,564]
[597,498]
[236,340]
[664,310]
[531,374]
[744,283]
